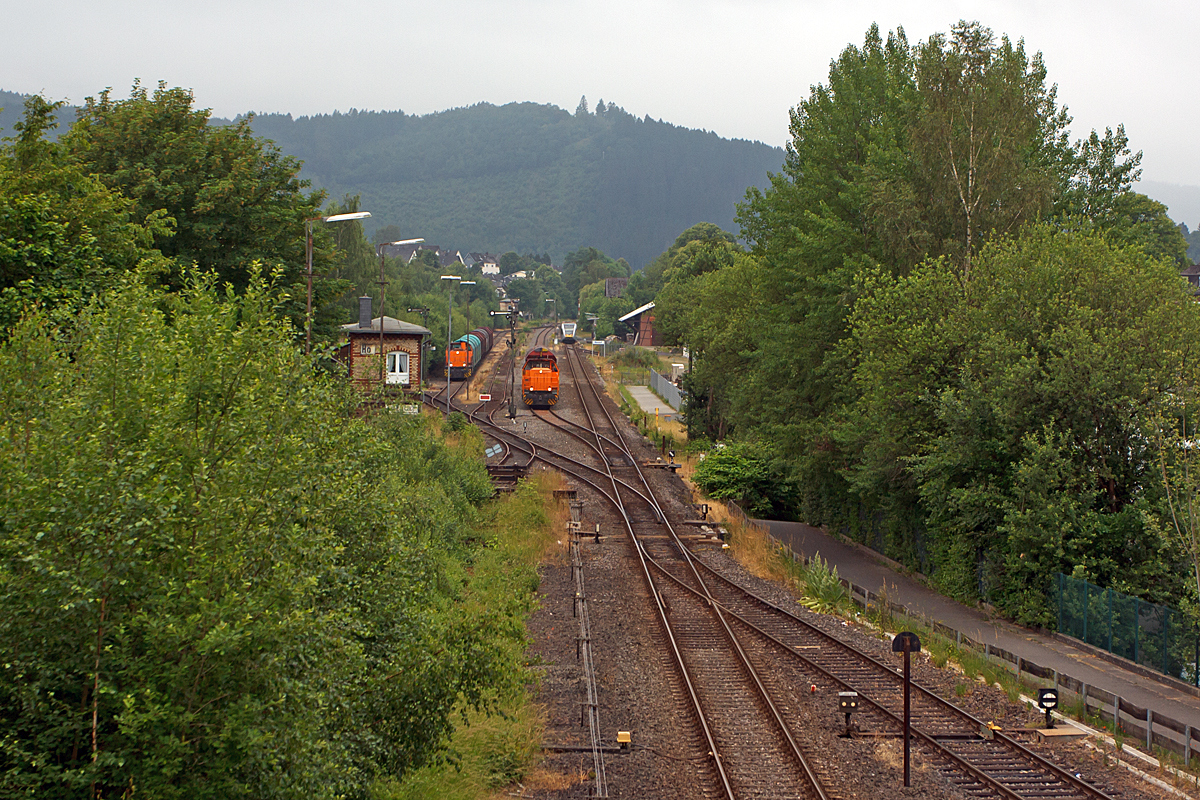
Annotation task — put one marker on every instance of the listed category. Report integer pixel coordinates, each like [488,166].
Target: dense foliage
[743,472]
[1015,412]
[64,235]
[229,199]
[148,180]
[218,578]
[956,327]
[217,581]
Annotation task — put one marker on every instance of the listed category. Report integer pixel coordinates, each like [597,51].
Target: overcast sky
[731,66]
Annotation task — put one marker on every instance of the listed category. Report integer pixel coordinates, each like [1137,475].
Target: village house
[1191,274]
[487,263]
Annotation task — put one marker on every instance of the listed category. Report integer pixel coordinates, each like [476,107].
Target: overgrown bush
[743,472]
[216,579]
[639,357]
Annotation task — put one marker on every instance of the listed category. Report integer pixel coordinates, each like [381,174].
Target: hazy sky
[733,67]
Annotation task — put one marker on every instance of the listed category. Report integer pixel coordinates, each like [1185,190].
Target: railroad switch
[625,739]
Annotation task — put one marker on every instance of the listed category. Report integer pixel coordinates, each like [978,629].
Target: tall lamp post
[468,283]
[308,250]
[383,294]
[449,322]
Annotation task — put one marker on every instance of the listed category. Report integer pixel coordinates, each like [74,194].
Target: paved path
[862,566]
[650,402]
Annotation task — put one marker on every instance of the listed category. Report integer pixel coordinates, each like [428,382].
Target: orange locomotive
[539,379]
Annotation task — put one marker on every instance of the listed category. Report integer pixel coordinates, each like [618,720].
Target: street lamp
[382,294]
[468,283]
[308,248]
[449,322]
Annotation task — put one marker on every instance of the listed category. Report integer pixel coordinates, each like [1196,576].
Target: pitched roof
[390,325]
[404,252]
[636,311]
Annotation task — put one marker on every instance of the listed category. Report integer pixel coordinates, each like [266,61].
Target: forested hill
[527,177]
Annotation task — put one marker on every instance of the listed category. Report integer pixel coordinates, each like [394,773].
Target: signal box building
[402,351]
[643,319]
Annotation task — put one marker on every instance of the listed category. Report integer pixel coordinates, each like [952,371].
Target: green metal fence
[1157,637]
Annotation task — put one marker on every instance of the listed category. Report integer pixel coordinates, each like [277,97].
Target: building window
[397,367]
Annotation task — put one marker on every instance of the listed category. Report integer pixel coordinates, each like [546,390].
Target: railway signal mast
[593,318]
[512,344]
[449,324]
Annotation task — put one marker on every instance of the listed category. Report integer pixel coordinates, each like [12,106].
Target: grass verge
[493,750]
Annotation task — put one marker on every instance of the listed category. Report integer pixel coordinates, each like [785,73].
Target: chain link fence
[1157,637]
[662,386]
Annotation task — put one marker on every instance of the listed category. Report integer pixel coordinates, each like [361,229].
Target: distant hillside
[527,177]
[524,177]
[12,108]
[1182,201]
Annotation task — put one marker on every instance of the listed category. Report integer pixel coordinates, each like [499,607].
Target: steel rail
[697,707]
[930,739]
[748,669]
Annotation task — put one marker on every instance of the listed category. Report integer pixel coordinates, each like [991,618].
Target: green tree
[528,294]
[989,138]
[588,265]
[64,236]
[743,472]
[905,153]
[355,271]
[1024,434]
[232,199]
[708,304]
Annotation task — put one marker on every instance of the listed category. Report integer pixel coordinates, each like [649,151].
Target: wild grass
[816,584]
[494,750]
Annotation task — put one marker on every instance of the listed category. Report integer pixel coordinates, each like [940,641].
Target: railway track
[753,752]
[717,632]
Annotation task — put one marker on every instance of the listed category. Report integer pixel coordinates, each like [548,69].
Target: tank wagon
[568,332]
[539,379]
[466,352]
